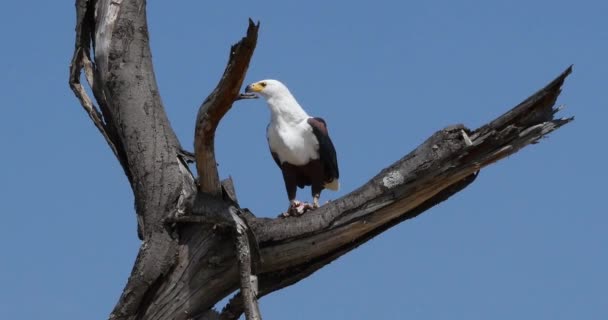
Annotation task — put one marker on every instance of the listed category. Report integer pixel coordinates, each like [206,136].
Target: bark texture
[216,106]
[191,253]
[133,120]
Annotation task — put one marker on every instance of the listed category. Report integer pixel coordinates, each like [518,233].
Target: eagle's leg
[315,201]
[291,186]
[316,194]
[296,208]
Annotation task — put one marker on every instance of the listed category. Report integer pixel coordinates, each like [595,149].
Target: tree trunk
[193,234]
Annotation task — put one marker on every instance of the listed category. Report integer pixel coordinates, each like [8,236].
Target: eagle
[299,144]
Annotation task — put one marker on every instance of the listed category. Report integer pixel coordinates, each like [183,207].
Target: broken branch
[215,107]
[80,61]
[292,249]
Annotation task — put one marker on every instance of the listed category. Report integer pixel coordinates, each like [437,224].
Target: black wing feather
[327,152]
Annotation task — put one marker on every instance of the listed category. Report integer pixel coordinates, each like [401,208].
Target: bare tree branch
[249,281]
[81,61]
[440,167]
[270,282]
[188,260]
[293,248]
[133,122]
[416,183]
[215,107]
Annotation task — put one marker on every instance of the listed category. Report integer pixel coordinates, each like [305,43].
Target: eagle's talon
[315,201]
[296,209]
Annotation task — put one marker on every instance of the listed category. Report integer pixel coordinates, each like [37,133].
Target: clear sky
[528,240]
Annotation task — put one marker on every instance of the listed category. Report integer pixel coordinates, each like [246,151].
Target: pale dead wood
[80,61]
[249,281]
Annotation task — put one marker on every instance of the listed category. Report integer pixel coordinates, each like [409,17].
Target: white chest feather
[295,144]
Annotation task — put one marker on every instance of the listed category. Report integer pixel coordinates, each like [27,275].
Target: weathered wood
[187,261]
[440,167]
[82,61]
[133,121]
[229,191]
[249,281]
[215,107]
[293,248]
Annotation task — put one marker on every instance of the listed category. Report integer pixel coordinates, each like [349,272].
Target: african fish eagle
[299,143]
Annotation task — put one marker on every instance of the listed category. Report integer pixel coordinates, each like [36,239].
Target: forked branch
[184,269]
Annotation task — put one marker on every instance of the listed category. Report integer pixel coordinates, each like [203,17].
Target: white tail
[333,185]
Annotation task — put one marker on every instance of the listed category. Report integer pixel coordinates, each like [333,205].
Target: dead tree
[198,245]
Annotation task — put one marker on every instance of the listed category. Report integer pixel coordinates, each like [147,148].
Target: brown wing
[327,152]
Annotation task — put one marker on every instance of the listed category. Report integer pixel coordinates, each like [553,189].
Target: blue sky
[527,240]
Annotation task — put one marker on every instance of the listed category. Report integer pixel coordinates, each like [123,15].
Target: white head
[269,89]
[280,101]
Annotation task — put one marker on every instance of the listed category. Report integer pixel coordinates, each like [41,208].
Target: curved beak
[254,87]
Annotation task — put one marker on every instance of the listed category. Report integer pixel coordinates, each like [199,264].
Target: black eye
[263,84]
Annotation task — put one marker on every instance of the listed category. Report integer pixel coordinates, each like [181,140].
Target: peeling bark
[188,260]
[133,120]
[249,281]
